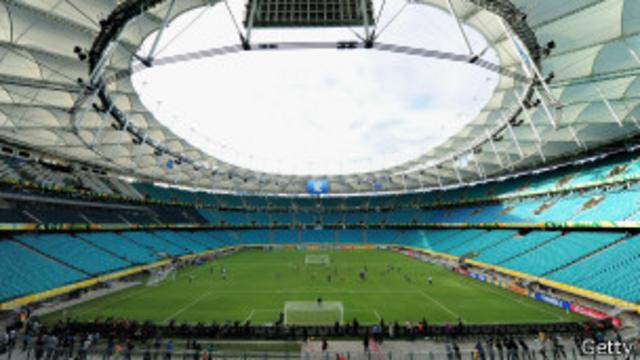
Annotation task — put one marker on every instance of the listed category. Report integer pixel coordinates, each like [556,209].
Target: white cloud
[315,111]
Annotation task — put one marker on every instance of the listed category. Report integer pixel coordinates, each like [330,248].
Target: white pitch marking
[253,311]
[375,312]
[184,308]
[439,304]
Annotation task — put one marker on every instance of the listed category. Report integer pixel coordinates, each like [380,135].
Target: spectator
[540,347]
[26,339]
[500,349]
[490,351]
[169,350]
[558,348]
[479,350]
[525,349]
[39,347]
[129,350]
[146,354]
[456,352]
[4,341]
[157,344]
[449,352]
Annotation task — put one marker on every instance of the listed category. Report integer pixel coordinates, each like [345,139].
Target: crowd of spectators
[73,339]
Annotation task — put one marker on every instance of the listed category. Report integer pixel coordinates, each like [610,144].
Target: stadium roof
[592,100]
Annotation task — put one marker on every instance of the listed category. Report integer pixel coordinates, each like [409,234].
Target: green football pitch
[260,282]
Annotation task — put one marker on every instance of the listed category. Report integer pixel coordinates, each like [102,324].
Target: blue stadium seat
[76,252]
[25,272]
[121,246]
[155,242]
[560,251]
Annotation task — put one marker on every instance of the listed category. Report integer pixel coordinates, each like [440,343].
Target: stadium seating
[560,251]
[426,239]
[285,236]
[617,205]
[58,215]
[14,216]
[120,246]
[618,167]
[515,246]
[157,244]
[178,241]
[322,236]
[484,241]
[612,271]
[233,217]
[192,243]
[204,239]
[379,236]
[25,271]
[76,252]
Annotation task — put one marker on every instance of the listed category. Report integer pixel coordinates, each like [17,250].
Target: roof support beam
[527,116]
[632,51]
[609,107]
[541,153]
[455,169]
[365,19]
[156,41]
[575,137]
[528,65]
[438,177]
[495,151]
[99,134]
[515,140]
[467,42]
[479,168]
[633,118]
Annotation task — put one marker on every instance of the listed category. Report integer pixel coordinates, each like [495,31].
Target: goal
[316,259]
[313,312]
[159,274]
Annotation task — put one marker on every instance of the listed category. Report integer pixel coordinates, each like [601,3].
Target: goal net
[313,312]
[316,259]
[158,275]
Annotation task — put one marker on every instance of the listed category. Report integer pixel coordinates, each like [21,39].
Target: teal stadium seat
[25,272]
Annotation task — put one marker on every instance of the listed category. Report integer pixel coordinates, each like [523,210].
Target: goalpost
[313,312]
[160,274]
[316,259]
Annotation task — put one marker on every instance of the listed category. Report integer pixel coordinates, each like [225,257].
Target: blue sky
[315,112]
